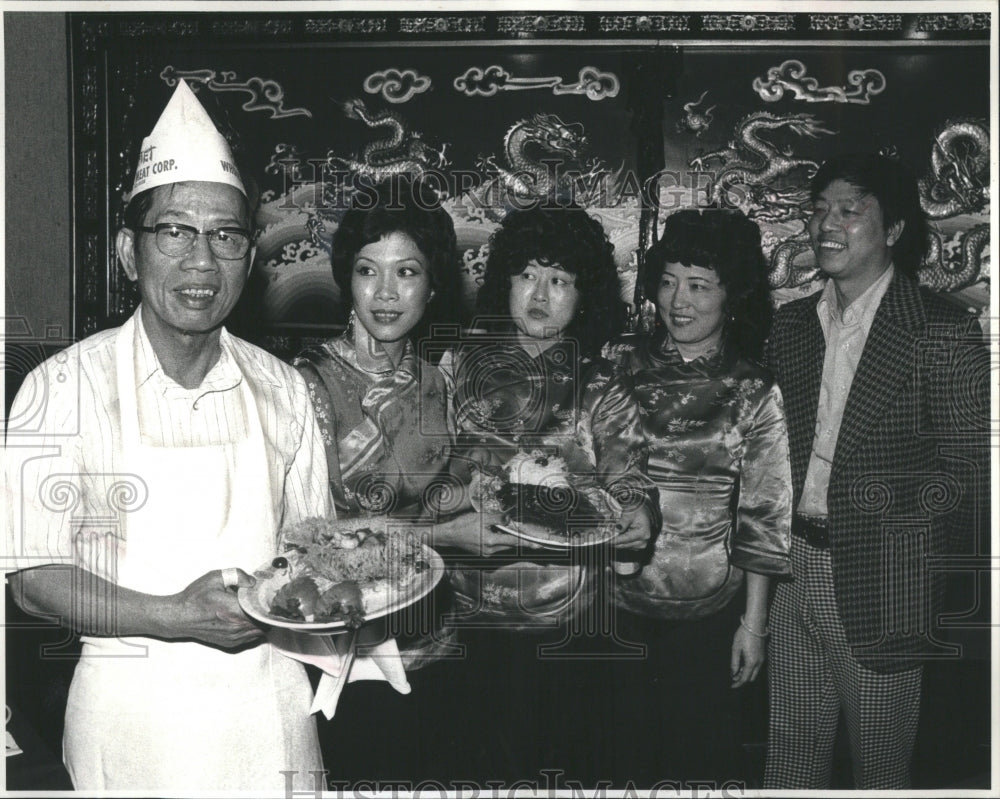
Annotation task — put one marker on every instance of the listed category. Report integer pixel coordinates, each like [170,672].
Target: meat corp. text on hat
[160,166]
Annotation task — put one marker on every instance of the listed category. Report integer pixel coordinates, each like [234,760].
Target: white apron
[145,714]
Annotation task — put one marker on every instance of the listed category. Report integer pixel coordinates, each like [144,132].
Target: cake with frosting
[539,496]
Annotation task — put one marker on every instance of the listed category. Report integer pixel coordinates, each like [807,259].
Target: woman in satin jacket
[394,261]
[533,381]
[718,452]
[383,411]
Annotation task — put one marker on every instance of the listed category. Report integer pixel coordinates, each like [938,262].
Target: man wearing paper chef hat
[192,447]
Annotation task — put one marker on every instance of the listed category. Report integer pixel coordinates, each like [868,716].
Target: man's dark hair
[727,242]
[892,184]
[568,236]
[138,207]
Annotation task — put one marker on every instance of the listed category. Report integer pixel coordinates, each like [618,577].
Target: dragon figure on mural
[944,271]
[402,151]
[958,179]
[956,183]
[751,160]
[783,272]
[531,147]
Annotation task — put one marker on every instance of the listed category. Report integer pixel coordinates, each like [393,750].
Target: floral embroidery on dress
[581,411]
[748,391]
[585,437]
[678,426]
[322,413]
[387,433]
[718,452]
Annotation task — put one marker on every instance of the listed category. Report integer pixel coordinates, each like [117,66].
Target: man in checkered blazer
[887,405]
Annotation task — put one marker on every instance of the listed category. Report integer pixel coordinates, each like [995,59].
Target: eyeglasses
[228,243]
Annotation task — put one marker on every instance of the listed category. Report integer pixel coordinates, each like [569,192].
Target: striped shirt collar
[224,374]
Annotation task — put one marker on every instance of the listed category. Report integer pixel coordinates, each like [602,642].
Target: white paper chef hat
[184,145]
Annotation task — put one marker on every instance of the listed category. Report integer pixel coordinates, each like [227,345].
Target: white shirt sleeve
[43,489]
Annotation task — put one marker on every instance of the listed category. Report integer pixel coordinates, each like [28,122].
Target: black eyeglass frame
[161,226]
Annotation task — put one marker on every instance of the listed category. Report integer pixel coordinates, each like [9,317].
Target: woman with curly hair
[532,385]
[566,238]
[718,452]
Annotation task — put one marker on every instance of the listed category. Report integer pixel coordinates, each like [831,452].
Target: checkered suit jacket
[910,477]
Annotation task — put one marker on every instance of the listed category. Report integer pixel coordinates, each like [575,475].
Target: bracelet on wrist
[752,631]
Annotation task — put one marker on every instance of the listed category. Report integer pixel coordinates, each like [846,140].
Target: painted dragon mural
[952,262]
[958,179]
[955,183]
[751,160]
[758,170]
[541,156]
[401,151]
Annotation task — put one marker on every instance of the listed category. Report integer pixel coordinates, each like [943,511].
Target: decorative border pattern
[89,94]
[346,25]
[242,27]
[135,27]
[856,22]
[953,22]
[442,25]
[748,22]
[542,23]
[91,289]
[645,23]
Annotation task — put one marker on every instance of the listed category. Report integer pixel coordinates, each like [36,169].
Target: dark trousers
[551,709]
[529,714]
[676,717]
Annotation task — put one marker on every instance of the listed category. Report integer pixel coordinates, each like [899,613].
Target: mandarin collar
[663,349]
[346,348]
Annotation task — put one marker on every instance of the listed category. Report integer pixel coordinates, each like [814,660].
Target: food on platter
[540,497]
[301,599]
[332,570]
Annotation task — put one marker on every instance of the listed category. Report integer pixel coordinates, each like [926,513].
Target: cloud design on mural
[483,82]
[265,94]
[791,76]
[590,81]
[397,85]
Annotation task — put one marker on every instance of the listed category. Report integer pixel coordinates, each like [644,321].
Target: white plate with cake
[338,574]
[545,504]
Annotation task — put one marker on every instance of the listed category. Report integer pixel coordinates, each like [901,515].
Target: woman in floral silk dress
[383,409]
[533,382]
[383,412]
[718,452]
